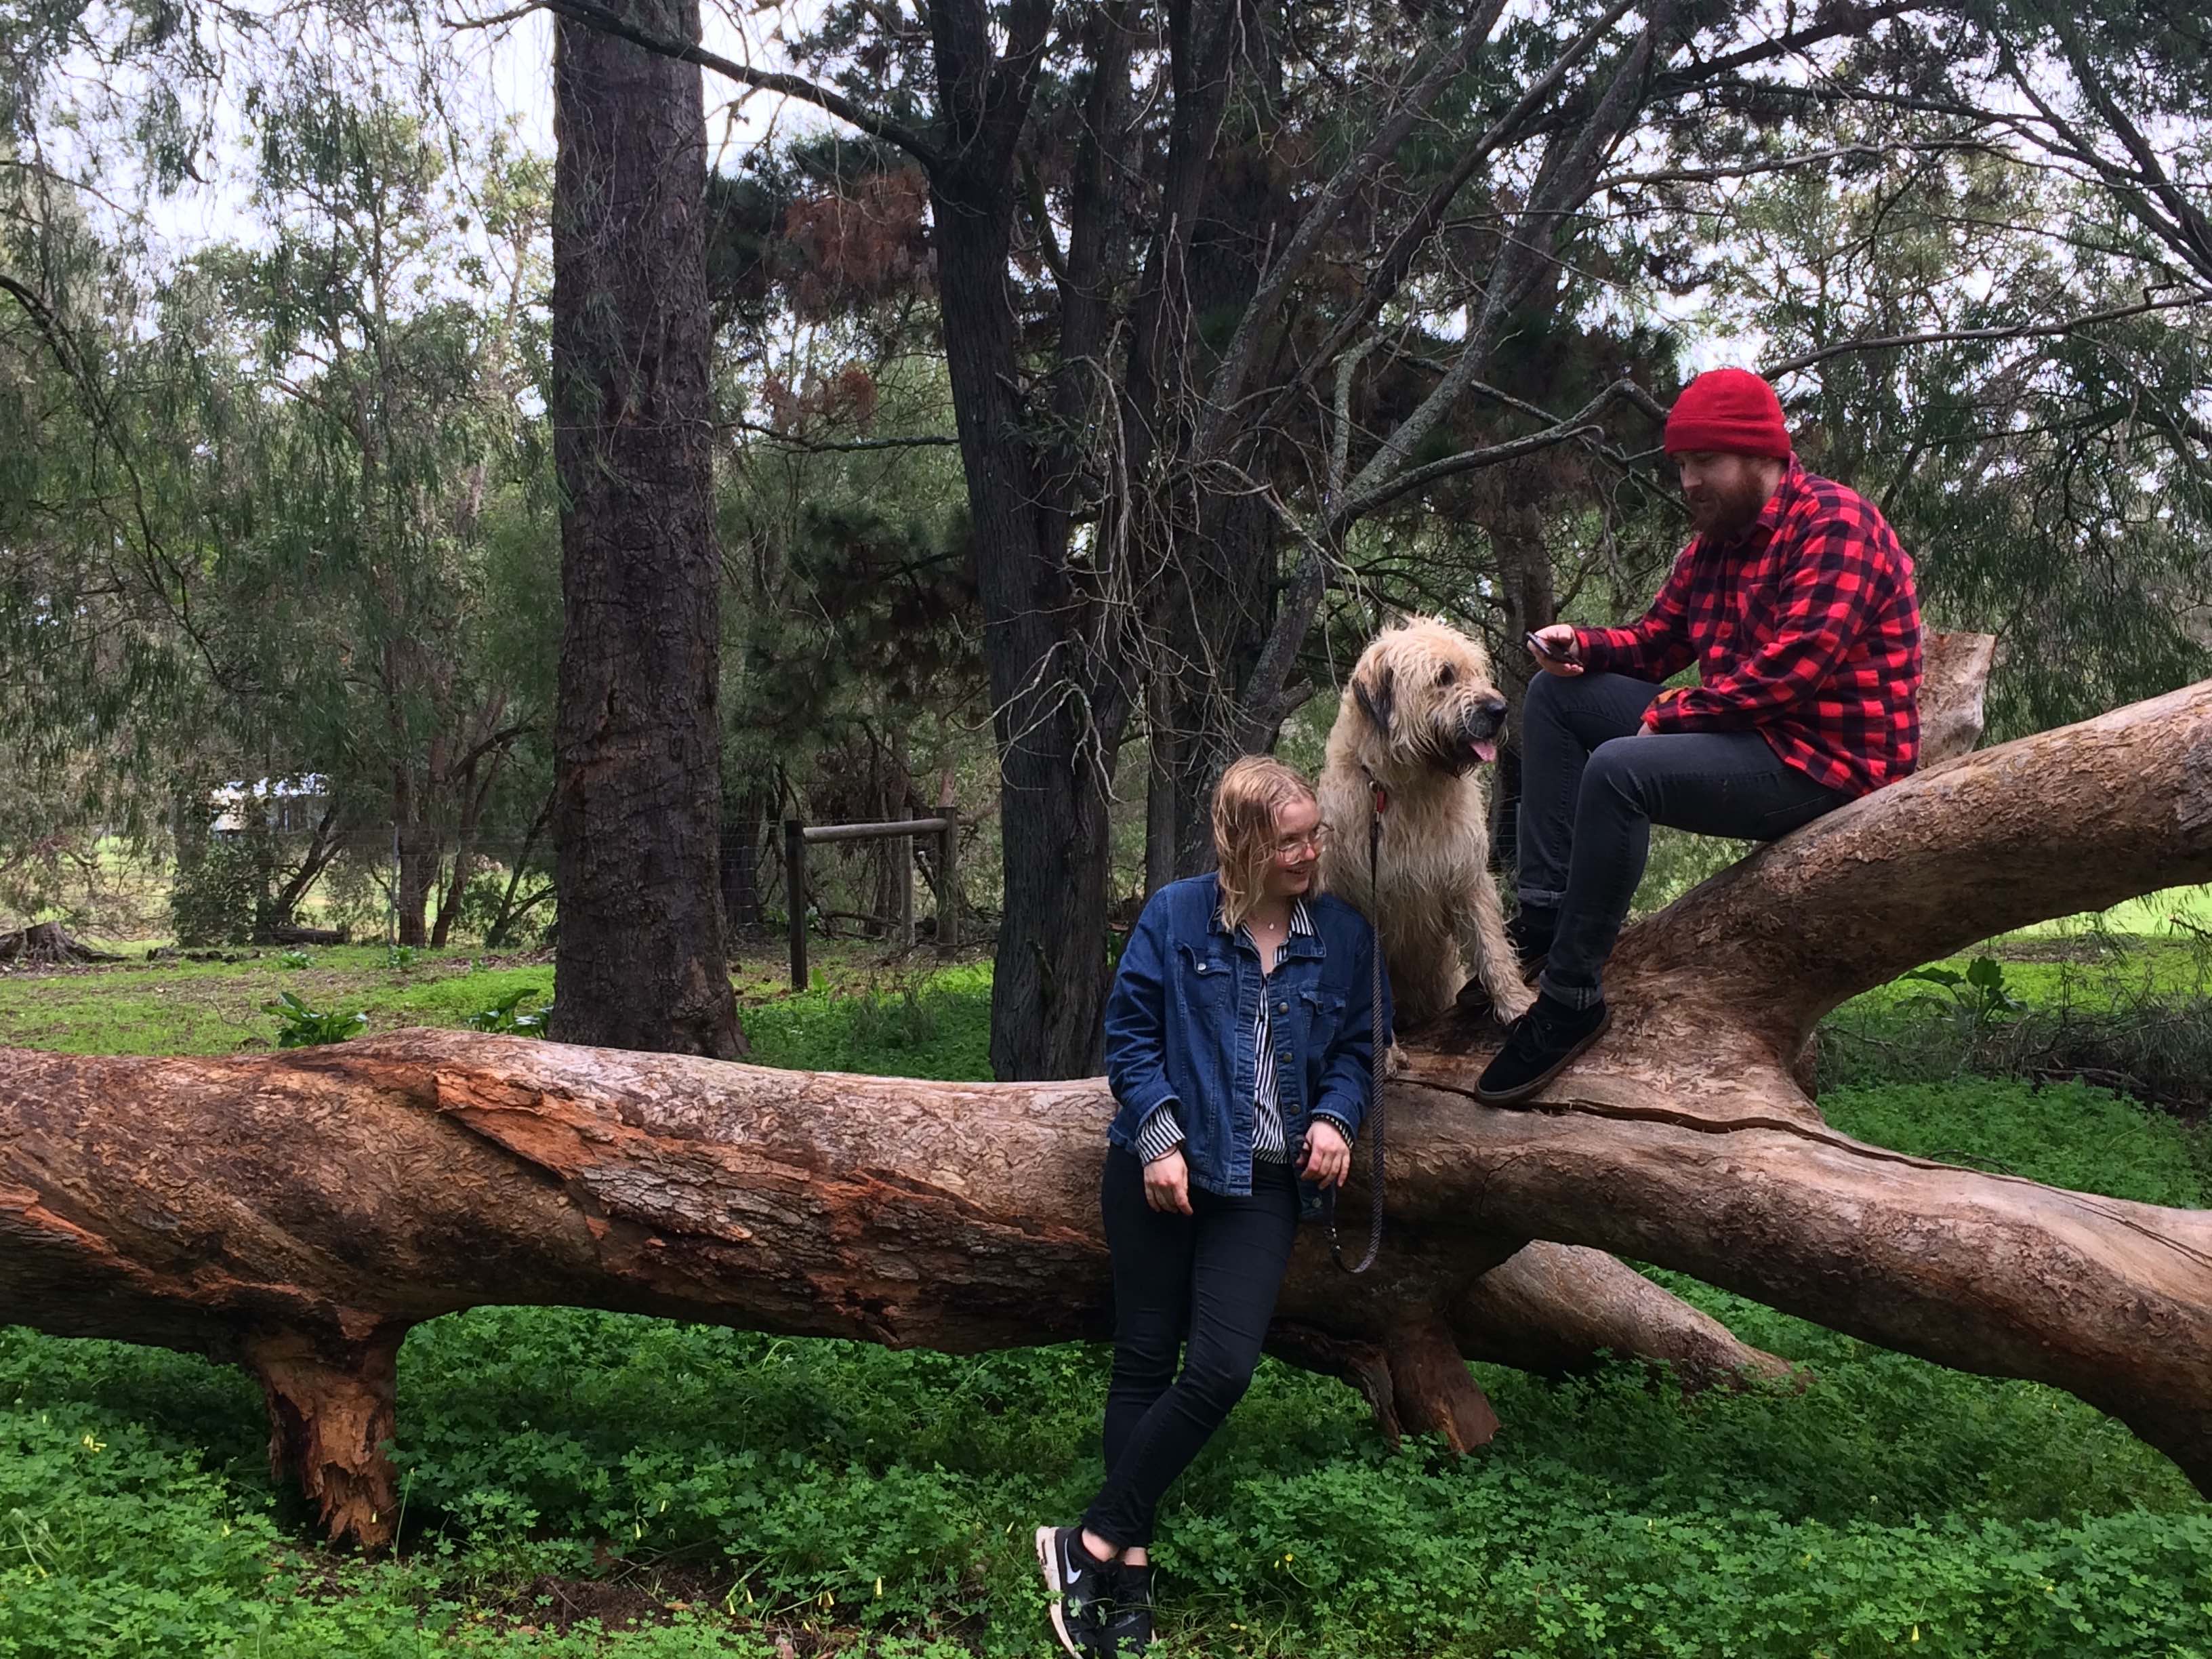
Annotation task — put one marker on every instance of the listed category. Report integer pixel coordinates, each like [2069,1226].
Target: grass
[589,1483]
[864,1012]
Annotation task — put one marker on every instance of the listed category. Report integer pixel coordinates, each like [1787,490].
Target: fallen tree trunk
[299,1212]
[290,934]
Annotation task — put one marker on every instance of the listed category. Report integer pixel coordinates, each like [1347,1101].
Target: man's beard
[1723,517]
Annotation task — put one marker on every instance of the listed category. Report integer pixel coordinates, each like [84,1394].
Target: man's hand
[1328,1156]
[1555,651]
[1167,1184]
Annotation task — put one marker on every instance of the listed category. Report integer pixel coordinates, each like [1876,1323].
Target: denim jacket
[1179,1023]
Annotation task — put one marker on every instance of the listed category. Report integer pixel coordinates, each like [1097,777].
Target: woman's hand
[1167,1183]
[1328,1155]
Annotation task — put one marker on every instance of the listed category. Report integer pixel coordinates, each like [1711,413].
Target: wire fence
[287,884]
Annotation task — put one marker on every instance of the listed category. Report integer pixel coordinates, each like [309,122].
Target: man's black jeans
[1592,785]
[1209,1277]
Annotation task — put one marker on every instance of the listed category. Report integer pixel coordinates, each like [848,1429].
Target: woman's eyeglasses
[1292,845]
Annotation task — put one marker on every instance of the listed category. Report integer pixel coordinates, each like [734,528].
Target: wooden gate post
[948,880]
[903,872]
[794,887]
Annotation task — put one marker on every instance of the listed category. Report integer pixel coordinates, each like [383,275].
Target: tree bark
[324,844]
[1524,581]
[48,944]
[282,1210]
[416,858]
[1056,718]
[640,963]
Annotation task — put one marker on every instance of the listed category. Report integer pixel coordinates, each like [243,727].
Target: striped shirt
[1162,1132]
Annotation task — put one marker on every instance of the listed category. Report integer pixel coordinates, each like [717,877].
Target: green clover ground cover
[583,1483]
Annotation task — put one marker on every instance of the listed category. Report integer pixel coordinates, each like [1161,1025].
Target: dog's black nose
[1495,708]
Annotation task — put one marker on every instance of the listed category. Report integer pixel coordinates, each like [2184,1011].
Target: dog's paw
[1517,1000]
[1474,1001]
[1393,1062]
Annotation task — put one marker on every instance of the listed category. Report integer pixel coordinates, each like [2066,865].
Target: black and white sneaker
[1128,1627]
[1079,1583]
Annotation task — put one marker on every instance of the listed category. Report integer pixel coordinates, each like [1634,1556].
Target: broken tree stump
[48,944]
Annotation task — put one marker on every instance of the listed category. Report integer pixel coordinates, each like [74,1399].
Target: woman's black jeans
[1205,1282]
[1591,790]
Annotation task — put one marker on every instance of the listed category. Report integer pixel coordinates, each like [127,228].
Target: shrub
[300,1026]
[217,897]
[509,1017]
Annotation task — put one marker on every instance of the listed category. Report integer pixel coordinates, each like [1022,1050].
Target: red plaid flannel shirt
[1804,629]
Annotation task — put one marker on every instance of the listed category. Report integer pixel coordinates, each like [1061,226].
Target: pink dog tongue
[1485,751]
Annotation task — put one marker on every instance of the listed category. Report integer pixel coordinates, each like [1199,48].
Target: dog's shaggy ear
[1379,704]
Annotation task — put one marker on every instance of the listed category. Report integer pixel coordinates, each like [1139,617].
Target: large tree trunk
[638,760]
[1057,719]
[415,856]
[298,1212]
[1524,583]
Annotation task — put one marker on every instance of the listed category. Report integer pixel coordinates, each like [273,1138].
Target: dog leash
[1381,803]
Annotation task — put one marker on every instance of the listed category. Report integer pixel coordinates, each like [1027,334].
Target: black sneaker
[1537,1047]
[1531,930]
[1128,1627]
[1080,1584]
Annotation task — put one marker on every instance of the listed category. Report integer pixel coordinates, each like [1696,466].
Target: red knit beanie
[1731,410]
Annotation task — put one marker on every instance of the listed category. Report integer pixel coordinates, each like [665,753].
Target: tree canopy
[1085,384]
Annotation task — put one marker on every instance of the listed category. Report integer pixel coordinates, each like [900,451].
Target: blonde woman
[1238,1044]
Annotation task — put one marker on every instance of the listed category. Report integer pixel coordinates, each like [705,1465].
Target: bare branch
[843,447]
[592,16]
[1328,207]
[2002,331]
[1581,423]
[1383,282]
[1809,158]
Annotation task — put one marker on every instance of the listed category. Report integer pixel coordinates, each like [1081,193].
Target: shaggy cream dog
[1419,716]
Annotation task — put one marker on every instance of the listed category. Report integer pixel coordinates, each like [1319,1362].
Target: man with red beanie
[1795,602]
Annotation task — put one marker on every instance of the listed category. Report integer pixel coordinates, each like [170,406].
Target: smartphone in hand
[1542,648]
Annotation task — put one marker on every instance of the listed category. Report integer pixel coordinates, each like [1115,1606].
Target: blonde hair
[1245,802]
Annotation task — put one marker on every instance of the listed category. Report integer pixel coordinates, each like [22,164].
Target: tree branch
[2075,819]
[1581,423]
[591,16]
[2188,218]
[1843,21]
[1389,272]
[2015,332]
[1809,158]
[843,446]
[1563,185]
[1320,219]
